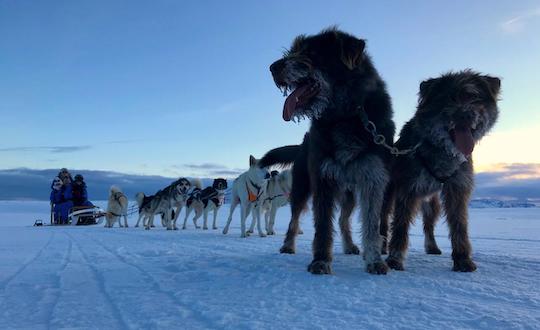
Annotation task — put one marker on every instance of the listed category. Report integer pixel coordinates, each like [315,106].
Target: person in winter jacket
[61,199]
[79,193]
[65,176]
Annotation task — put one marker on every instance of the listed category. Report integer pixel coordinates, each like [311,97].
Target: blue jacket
[62,195]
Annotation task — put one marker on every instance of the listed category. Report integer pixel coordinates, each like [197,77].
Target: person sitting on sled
[79,193]
[65,176]
[61,199]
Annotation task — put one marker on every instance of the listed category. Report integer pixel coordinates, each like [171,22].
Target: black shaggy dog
[334,83]
[454,112]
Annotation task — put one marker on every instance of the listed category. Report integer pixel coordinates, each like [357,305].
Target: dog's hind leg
[198,213]
[188,211]
[244,212]
[257,215]
[347,207]
[431,210]
[300,192]
[251,229]
[139,220]
[234,203]
[125,220]
[150,222]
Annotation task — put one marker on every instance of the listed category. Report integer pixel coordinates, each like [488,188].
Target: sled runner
[82,216]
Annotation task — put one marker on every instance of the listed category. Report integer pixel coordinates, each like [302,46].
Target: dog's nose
[277,66]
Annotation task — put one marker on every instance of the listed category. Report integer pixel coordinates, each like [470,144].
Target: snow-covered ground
[92,277]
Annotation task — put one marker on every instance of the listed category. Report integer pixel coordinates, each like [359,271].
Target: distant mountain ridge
[483,203]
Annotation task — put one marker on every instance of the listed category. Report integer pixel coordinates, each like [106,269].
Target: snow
[93,277]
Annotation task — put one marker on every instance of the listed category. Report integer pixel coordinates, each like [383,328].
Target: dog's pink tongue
[463,140]
[292,101]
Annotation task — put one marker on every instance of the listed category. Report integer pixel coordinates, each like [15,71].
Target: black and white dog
[202,201]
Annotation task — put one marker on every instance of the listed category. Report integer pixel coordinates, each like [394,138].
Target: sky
[182,88]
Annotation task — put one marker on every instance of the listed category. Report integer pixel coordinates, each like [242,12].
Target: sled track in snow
[21,269]
[100,279]
[154,283]
[65,262]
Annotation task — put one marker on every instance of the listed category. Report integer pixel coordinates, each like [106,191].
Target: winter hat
[79,177]
[57,183]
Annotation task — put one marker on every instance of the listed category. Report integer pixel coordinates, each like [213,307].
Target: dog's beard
[316,105]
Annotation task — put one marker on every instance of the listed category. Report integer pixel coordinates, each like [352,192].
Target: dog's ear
[494,85]
[425,87]
[252,160]
[352,51]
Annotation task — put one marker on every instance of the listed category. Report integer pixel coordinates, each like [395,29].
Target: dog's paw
[320,267]
[465,265]
[378,268]
[214,227]
[146,228]
[433,250]
[353,249]
[136,226]
[300,232]
[262,235]
[175,228]
[249,231]
[394,263]
[245,235]
[224,232]
[205,228]
[152,226]
[286,249]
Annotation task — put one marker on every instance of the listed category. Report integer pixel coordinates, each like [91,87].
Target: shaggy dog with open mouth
[454,112]
[333,82]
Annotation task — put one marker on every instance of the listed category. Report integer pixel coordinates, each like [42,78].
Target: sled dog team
[349,157]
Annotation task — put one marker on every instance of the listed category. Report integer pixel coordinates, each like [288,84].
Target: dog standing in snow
[206,200]
[246,191]
[116,208]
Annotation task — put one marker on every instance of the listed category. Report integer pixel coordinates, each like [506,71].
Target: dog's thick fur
[334,83]
[246,191]
[202,201]
[163,203]
[464,102]
[117,207]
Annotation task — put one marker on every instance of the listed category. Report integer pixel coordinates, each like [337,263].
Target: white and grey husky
[246,191]
[116,208]
[275,194]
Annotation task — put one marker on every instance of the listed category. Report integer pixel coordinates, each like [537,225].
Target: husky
[163,203]
[116,208]
[206,200]
[246,191]
[275,194]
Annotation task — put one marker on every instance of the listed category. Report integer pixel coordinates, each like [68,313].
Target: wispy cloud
[53,149]
[518,23]
[205,166]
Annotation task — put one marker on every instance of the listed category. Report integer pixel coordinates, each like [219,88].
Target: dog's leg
[214,224]
[244,212]
[234,203]
[388,204]
[430,213]
[150,221]
[251,229]
[205,217]
[198,213]
[300,192]
[188,211]
[139,220]
[257,215]
[269,218]
[371,199]
[347,207]
[456,194]
[405,207]
[323,207]
[125,219]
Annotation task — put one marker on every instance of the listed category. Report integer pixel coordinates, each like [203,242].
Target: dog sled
[81,216]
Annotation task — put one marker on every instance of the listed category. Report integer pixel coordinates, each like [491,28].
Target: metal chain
[380,140]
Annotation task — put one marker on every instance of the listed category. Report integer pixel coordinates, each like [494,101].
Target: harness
[251,196]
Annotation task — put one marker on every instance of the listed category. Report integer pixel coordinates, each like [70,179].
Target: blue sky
[183,88]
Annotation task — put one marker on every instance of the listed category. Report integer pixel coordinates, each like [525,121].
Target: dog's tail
[282,156]
[115,189]
[140,198]
[196,183]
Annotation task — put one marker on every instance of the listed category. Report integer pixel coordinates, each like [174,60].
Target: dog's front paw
[214,227]
[205,228]
[136,226]
[244,235]
[287,249]
[175,228]
[352,249]
[270,232]
[300,232]
[465,265]
[152,226]
[147,228]
[262,235]
[433,250]
[394,263]
[249,231]
[225,231]
[378,268]
[320,267]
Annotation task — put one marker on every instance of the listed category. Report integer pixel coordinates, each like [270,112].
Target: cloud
[518,23]
[509,181]
[53,149]
[205,166]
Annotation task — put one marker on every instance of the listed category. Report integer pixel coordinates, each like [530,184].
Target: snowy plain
[93,277]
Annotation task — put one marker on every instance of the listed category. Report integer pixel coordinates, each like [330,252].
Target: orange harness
[251,196]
